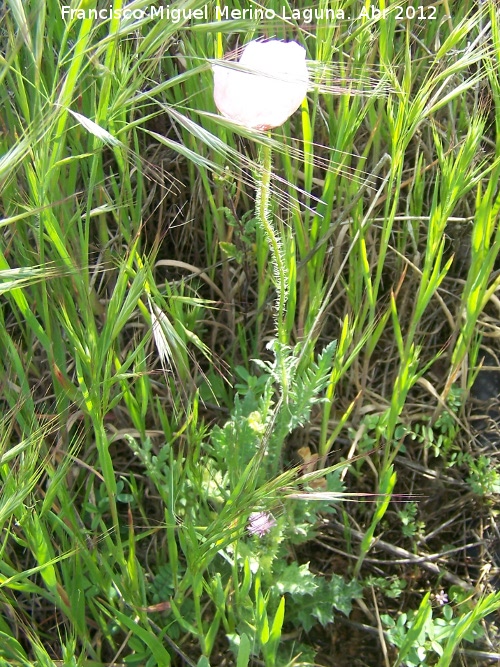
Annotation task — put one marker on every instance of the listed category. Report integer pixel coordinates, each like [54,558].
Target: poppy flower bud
[271,89]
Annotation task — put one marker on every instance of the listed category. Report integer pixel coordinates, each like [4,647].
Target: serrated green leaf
[342,593]
[231,251]
[297,580]
[315,608]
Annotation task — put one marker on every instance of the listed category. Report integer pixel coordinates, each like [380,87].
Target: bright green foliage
[168,343]
[484,476]
[322,604]
[425,638]
[409,524]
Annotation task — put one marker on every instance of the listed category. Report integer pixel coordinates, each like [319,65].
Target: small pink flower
[260,523]
[269,87]
[441,598]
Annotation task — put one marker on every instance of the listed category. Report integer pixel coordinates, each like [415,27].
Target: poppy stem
[265,218]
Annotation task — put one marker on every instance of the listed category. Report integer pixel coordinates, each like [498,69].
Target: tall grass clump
[218,437]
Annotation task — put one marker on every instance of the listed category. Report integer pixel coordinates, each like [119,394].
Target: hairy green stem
[264,216]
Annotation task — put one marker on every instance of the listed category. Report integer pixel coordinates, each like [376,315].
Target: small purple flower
[260,523]
[441,598]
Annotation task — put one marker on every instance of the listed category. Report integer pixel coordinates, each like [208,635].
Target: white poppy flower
[271,89]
